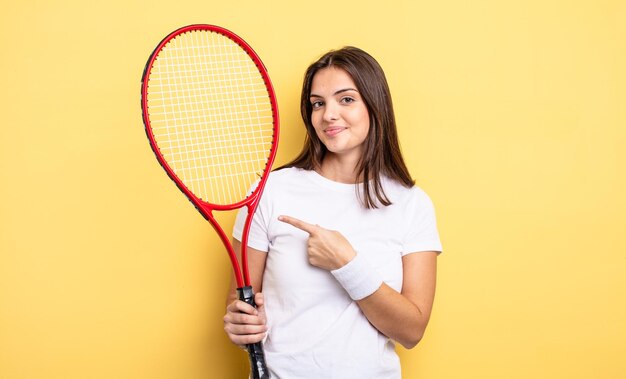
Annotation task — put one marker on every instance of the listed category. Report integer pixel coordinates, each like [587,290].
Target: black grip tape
[258,367]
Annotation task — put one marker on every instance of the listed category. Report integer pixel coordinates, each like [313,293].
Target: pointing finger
[305,226]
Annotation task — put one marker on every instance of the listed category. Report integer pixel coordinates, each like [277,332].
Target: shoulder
[286,175]
[406,196]
[283,179]
[287,172]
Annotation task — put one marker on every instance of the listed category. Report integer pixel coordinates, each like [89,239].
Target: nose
[331,111]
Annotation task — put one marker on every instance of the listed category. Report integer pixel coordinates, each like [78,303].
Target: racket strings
[211,115]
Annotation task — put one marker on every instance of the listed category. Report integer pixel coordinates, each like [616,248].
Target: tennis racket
[211,116]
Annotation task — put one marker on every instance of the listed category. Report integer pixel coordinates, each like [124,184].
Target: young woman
[343,246]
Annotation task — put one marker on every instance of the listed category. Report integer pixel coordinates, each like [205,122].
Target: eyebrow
[336,92]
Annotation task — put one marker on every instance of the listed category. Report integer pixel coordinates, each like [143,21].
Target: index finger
[240,306]
[305,226]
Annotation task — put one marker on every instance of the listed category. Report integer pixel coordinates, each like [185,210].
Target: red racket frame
[206,209]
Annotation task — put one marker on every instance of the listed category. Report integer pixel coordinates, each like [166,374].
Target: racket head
[211,116]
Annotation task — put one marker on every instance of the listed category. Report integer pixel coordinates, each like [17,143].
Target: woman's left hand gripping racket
[212,120]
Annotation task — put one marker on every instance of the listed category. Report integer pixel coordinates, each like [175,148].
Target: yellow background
[512,116]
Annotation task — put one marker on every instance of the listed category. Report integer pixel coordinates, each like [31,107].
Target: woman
[343,246]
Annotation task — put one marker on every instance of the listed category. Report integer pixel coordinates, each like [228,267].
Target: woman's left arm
[401,316]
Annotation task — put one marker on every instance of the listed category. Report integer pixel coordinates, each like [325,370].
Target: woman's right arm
[243,323]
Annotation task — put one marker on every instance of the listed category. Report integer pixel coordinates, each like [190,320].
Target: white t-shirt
[315,330]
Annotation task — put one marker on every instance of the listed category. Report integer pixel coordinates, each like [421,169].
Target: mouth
[334,130]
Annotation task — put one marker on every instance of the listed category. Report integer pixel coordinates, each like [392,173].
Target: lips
[334,130]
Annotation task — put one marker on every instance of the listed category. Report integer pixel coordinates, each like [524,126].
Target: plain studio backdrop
[511,116]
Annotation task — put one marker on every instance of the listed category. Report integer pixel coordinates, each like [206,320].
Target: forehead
[330,80]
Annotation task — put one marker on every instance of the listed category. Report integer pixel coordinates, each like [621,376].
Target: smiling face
[339,114]
[365,125]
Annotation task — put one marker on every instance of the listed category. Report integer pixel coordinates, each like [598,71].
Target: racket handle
[258,367]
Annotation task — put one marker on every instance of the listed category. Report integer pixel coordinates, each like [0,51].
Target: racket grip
[258,368]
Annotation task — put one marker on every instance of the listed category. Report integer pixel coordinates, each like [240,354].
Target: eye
[317,104]
[347,100]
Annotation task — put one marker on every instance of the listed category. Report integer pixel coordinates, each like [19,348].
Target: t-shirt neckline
[330,184]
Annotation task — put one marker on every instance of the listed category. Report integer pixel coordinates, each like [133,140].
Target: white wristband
[358,278]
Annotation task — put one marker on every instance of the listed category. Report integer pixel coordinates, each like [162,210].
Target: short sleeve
[422,234]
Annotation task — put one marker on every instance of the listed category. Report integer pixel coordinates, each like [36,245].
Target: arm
[403,316]
[400,316]
[243,323]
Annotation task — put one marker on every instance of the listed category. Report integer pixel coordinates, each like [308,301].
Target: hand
[327,249]
[245,324]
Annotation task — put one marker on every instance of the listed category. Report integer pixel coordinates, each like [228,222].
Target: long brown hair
[381,153]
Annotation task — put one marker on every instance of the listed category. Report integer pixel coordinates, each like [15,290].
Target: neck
[339,170]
